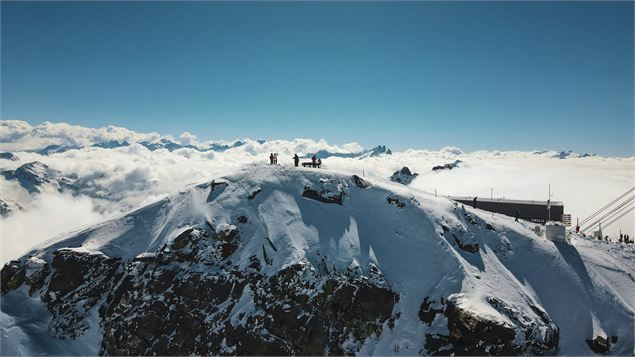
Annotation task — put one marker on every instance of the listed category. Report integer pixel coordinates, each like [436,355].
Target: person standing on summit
[271,158]
[474,202]
[296,160]
[313,160]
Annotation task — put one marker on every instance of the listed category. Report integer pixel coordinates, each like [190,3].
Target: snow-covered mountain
[8,156]
[376,151]
[36,177]
[277,261]
[7,207]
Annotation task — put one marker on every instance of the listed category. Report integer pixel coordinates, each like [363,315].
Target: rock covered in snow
[403,176]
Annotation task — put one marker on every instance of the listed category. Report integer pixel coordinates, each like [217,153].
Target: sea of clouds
[134,176]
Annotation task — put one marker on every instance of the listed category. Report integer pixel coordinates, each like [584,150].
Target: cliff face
[274,261]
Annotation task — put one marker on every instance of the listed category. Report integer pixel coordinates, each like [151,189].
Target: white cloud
[135,175]
[188,138]
[49,216]
[16,135]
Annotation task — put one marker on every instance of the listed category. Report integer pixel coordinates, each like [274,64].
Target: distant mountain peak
[8,156]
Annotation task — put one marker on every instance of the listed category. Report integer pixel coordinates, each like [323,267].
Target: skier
[296,160]
[313,160]
[517,214]
[474,202]
[270,158]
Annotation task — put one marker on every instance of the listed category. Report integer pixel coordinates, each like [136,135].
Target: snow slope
[434,254]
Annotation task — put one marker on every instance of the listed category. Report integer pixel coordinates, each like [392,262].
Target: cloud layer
[127,177]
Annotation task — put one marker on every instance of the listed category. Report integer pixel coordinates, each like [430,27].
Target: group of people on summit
[315,162]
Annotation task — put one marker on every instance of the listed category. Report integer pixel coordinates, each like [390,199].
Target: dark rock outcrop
[472,333]
[360,182]
[395,202]
[403,176]
[448,166]
[8,156]
[254,193]
[79,281]
[468,246]
[429,310]
[599,344]
[173,311]
[12,276]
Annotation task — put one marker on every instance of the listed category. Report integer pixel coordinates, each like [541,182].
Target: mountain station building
[533,211]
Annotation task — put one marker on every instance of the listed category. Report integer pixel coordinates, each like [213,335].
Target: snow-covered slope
[274,260]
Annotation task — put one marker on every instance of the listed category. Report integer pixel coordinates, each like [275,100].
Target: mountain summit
[279,261]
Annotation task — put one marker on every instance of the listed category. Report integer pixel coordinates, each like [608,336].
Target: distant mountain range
[376,151]
[169,145]
[152,146]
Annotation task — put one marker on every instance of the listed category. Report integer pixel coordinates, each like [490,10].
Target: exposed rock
[471,247]
[403,176]
[181,312]
[473,333]
[395,202]
[429,310]
[37,270]
[8,156]
[600,344]
[12,276]
[254,192]
[79,281]
[33,272]
[448,166]
[438,344]
[242,219]
[227,249]
[227,234]
[360,182]
[182,239]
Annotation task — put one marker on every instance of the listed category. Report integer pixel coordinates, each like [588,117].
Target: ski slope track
[278,261]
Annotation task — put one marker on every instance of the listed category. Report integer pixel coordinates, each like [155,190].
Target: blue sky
[478,75]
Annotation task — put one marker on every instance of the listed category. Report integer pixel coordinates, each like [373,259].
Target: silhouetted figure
[621,237]
[319,163]
[270,158]
[517,214]
[474,202]
[313,160]
[296,160]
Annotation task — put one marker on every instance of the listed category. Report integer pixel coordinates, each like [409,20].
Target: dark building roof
[534,211]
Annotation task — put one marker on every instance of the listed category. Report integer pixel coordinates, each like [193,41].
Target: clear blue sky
[478,75]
